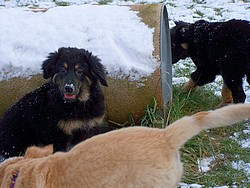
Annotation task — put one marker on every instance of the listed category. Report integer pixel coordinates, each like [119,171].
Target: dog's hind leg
[234,84]
[226,96]
[233,68]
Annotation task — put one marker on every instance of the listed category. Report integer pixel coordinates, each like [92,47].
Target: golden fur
[129,157]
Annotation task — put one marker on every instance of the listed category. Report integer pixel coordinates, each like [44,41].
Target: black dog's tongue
[69,96]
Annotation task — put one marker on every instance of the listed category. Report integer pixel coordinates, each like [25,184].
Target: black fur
[61,111]
[216,48]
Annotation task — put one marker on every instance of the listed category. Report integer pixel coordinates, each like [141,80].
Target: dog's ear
[38,152]
[49,65]
[98,69]
[180,23]
[182,29]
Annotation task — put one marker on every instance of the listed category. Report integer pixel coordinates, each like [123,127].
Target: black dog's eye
[63,70]
[79,72]
[173,45]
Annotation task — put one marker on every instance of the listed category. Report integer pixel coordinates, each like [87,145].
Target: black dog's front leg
[85,133]
[199,77]
[202,77]
[61,142]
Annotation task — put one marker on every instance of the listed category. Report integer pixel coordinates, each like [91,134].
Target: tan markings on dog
[189,86]
[77,66]
[85,93]
[65,65]
[95,121]
[184,46]
[69,125]
[226,96]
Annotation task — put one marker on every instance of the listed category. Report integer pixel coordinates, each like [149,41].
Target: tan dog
[130,157]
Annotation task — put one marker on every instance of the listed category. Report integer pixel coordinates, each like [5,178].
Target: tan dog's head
[31,152]
[7,163]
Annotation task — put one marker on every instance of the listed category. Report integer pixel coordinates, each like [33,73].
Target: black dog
[218,48]
[58,111]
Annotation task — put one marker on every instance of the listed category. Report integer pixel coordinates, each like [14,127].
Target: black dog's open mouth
[69,97]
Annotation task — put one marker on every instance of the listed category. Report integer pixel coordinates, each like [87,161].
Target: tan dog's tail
[187,127]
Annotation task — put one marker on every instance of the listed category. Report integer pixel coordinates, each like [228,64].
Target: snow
[204,164]
[113,32]
[245,143]
[241,165]
[184,185]
[27,37]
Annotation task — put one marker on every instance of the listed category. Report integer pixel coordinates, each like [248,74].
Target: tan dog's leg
[226,96]
[189,86]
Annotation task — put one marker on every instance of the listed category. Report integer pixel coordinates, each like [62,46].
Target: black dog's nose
[69,88]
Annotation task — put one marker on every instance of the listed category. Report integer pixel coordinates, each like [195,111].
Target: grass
[213,143]
[62,3]
[104,2]
[171,4]
[199,1]
[199,13]
[218,11]
[152,117]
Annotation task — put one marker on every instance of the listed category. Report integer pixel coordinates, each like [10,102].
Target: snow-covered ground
[113,32]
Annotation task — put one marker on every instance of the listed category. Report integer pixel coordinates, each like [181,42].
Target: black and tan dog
[129,157]
[57,112]
[216,48]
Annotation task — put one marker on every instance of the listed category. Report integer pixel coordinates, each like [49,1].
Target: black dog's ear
[181,27]
[49,65]
[98,69]
[180,23]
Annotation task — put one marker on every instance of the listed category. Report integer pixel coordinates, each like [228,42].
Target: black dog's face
[73,80]
[179,46]
[74,71]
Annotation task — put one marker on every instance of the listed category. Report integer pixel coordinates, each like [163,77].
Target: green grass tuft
[104,2]
[62,3]
[152,117]
[199,13]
